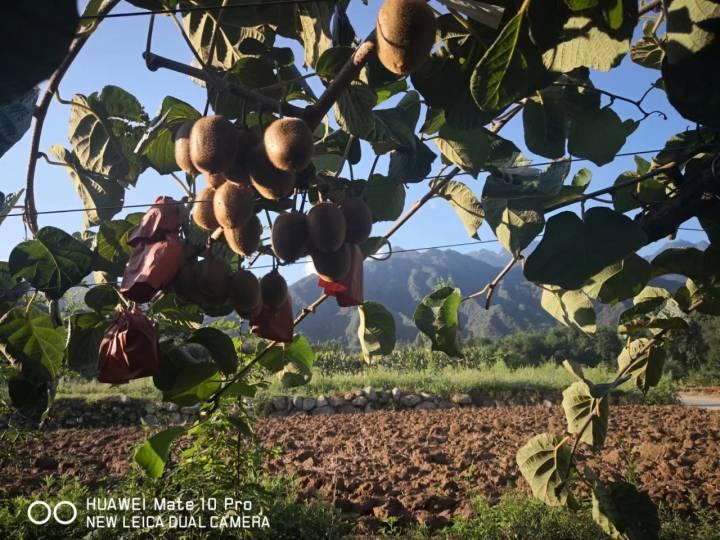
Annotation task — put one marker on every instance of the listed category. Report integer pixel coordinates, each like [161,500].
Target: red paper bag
[348,290]
[129,349]
[275,323]
[167,217]
[152,267]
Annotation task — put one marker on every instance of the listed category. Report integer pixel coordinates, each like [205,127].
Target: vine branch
[30,215]
[616,97]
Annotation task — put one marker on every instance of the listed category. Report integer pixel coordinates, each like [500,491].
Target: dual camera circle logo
[50,512]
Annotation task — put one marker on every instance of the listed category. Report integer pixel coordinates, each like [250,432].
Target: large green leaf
[11,199]
[220,346]
[315,29]
[158,144]
[465,204]
[571,308]
[689,262]
[331,62]
[376,331]
[53,262]
[474,149]
[188,374]
[16,117]
[583,140]
[648,52]
[86,334]
[33,343]
[37,36]
[111,248]
[544,462]
[102,196]
[544,123]
[437,316]
[515,222]
[654,309]
[573,250]
[411,166]
[353,110]
[291,362]
[250,72]
[104,130]
[153,454]
[624,512]
[619,281]
[581,407]
[646,360]
[385,197]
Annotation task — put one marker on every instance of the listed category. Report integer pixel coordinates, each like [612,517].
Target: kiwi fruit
[274,289]
[327,227]
[213,144]
[246,239]
[405,34]
[184,283]
[212,280]
[215,180]
[245,291]
[238,171]
[250,313]
[203,213]
[233,205]
[358,219]
[289,144]
[182,148]
[269,181]
[333,266]
[290,236]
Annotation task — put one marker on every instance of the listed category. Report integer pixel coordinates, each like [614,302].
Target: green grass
[91,390]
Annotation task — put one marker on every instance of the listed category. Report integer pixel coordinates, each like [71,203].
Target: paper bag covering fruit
[275,323]
[166,216]
[152,266]
[129,349]
[348,290]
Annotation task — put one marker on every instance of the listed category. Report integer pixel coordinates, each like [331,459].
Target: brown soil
[423,464]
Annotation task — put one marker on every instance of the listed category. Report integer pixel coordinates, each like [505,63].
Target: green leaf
[647,360]
[624,512]
[581,407]
[331,62]
[315,31]
[411,166]
[437,316]
[571,308]
[654,309]
[53,262]
[515,222]
[153,454]
[291,362]
[188,374]
[584,143]
[111,248]
[583,44]
[16,117]
[86,334]
[102,196]
[474,149]
[220,346]
[648,52]
[376,331]
[545,462]
[158,143]
[38,34]
[545,125]
[353,110]
[10,200]
[250,72]
[573,250]
[580,5]
[689,262]
[385,197]
[102,298]
[466,205]
[104,132]
[33,343]
[619,281]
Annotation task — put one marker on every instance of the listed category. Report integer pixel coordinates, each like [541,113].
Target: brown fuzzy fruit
[270,182]
[212,280]
[246,239]
[215,180]
[327,227]
[250,314]
[358,219]
[213,144]
[233,205]
[333,266]
[203,213]
[184,283]
[289,144]
[290,236]
[238,172]
[274,289]
[405,34]
[245,291]
[182,148]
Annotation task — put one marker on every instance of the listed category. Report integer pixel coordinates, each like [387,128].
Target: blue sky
[113,56]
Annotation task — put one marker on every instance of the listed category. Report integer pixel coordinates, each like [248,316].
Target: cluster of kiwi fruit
[325,233]
[209,284]
[239,164]
[405,32]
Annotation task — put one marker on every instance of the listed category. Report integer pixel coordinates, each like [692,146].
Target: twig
[41,110]
[636,102]
[489,289]
[647,8]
